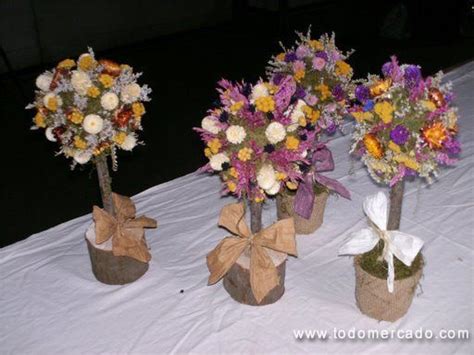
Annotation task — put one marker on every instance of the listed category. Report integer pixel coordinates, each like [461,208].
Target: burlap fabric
[374,300]
[302,225]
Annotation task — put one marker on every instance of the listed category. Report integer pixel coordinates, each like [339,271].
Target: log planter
[373,298]
[237,280]
[108,268]
[285,209]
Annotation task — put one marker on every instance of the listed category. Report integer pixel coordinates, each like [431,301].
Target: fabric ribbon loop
[126,231]
[279,237]
[321,161]
[404,246]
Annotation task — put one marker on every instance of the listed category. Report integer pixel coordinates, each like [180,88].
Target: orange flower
[373,146]
[434,134]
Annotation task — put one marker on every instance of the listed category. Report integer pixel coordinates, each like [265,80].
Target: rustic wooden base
[110,269]
[374,300]
[237,280]
[302,225]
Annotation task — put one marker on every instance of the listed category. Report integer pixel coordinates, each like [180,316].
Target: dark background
[183,48]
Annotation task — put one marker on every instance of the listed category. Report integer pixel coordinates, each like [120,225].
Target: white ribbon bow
[404,246]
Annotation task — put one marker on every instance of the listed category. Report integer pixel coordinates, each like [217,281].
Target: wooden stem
[396,202]
[105,183]
[255,216]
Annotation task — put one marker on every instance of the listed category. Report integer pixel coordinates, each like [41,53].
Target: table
[51,303]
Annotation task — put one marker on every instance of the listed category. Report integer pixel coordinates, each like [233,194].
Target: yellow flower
[428,105]
[373,146]
[119,138]
[270,87]
[86,62]
[315,116]
[299,74]
[292,143]
[76,117]
[324,89]
[52,103]
[106,80]
[302,121]
[291,185]
[100,149]
[394,147]
[207,152]
[93,91]
[384,110]
[80,143]
[138,109]
[307,110]
[66,64]
[280,57]
[280,176]
[231,186]
[407,161]
[245,154]
[236,106]
[39,120]
[362,116]
[233,172]
[342,68]
[380,87]
[124,67]
[214,145]
[258,199]
[316,45]
[265,104]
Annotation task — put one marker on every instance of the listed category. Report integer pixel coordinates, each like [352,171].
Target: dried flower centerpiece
[319,104]
[251,144]
[91,108]
[405,127]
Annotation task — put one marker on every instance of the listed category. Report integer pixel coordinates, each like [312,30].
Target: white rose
[297,111]
[80,81]
[209,124]
[129,143]
[266,177]
[130,93]
[93,124]
[217,160]
[235,134]
[275,132]
[49,134]
[43,82]
[274,189]
[109,101]
[82,157]
[51,95]
[258,90]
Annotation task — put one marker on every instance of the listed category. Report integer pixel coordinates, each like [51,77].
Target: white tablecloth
[51,303]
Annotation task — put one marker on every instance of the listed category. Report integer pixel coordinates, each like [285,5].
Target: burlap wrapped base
[374,300]
[110,269]
[237,280]
[302,225]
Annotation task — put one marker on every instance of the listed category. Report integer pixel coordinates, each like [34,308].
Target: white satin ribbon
[404,246]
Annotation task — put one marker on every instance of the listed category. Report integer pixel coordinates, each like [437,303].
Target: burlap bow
[126,231]
[321,162]
[280,237]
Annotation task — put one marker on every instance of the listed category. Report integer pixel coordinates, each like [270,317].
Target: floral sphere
[405,124]
[90,107]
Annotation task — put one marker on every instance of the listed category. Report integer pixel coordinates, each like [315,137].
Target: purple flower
[412,76]
[400,134]
[311,100]
[277,78]
[302,51]
[300,92]
[299,65]
[331,128]
[362,93]
[318,63]
[290,57]
[338,92]
[369,105]
[452,146]
[392,70]
[409,172]
[322,55]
